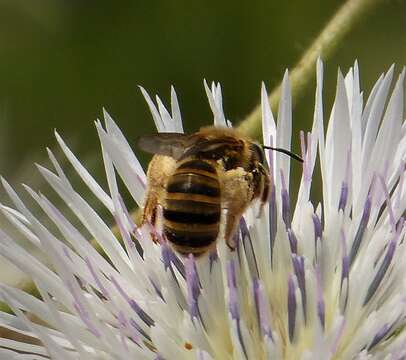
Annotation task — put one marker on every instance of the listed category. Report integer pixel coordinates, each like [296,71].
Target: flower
[320,280]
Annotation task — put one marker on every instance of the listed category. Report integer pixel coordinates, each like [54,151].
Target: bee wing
[213,148]
[170,144]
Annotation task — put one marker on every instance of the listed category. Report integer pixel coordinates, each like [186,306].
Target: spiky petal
[307,281]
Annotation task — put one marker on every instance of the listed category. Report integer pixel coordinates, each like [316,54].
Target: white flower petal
[176,115]
[321,280]
[216,103]
[268,122]
[284,133]
[123,162]
[84,174]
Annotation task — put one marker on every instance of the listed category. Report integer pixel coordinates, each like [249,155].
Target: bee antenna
[287,152]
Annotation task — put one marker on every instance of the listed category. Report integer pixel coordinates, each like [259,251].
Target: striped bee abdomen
[192,207]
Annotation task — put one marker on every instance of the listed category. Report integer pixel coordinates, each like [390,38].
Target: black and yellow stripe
[192,207]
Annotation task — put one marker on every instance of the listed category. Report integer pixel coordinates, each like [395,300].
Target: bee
[199,177]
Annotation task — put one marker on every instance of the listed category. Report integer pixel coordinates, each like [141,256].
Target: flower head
[317,280]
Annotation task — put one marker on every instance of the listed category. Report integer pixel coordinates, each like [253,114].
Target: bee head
[258,153]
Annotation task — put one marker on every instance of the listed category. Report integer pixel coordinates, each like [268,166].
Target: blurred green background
[62,61]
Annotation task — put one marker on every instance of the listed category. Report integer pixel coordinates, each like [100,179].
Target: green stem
[323,46]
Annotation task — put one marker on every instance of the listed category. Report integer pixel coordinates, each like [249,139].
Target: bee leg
[266,186]
[150,214]
[237,194]
[265,189]
[230,233]
[159,170]
[260,211]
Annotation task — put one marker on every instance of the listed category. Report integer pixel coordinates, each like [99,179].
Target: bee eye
[258,153]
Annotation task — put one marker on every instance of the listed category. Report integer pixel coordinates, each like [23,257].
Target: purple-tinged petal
[389,207]
[381,272]
[342,203]
[213,257]
[343,196]
[102,288]
[321,312]
[299,269]
[166,255]
[249,249]
[261,309]
[86,320]
[125,324]
[126,214]
[232,287]
[139,329]
[318,230]
[285,203]
[193,286]
[82,312]
[292,241]
[233,304]
[273,220]
[169,258]
[291,308]
[133,240]
[122,324]
[157,289]
[178,264]
[361,230]
[373,287]
[401,184]
[380,335]
[133,304]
